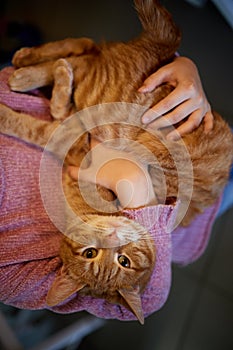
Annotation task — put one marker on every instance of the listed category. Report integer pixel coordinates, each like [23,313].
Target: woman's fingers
[154,80]
[175,99]
[187,100]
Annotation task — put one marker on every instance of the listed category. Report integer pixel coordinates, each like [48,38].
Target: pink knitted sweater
[29,241]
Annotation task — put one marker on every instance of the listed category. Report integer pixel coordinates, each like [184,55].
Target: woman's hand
[186,100]
[117,171]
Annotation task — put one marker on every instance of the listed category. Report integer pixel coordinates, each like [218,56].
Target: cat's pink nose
[113,239]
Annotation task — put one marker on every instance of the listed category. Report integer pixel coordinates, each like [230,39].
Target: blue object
[227,199]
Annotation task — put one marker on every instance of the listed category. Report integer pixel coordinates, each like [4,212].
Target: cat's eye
[124,261]
[90,253]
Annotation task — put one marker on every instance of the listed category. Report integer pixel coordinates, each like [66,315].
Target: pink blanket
[29,241]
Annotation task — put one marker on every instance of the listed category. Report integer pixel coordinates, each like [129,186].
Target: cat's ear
[133,299]
[63,286]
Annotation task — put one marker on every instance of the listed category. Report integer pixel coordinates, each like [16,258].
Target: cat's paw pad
[22,57]
[63,72]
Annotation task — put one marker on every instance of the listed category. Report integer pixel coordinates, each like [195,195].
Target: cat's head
[105,257]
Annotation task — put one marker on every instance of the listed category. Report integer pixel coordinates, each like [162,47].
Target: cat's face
[110,258]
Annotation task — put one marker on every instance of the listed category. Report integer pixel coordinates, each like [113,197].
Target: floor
[199,311]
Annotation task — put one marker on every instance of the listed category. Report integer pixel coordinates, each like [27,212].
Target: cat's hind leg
[60,104]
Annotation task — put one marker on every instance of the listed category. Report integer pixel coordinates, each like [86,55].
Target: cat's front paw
[23,80]
[31,77]
[61,105]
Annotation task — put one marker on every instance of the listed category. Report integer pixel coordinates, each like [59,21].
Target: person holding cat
[38,270]
[42,268]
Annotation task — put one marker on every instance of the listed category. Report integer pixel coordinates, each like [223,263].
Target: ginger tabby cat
[83,74]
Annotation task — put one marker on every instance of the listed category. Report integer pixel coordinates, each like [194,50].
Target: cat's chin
[106,231]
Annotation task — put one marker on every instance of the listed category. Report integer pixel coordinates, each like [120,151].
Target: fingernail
[143,88]
[172,137]
[149,116]
[145,119]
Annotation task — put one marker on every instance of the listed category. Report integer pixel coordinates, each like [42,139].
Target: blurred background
[199,311]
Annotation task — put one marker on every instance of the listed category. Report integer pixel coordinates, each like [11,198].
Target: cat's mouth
[113,231]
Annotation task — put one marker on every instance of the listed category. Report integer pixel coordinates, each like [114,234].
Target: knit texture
[30,243]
